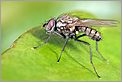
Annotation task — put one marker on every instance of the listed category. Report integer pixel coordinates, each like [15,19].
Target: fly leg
[35,47]
[98,51]
[86,43]
[63,49]
[79,36]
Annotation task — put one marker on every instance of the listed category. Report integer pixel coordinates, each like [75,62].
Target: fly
[69,26]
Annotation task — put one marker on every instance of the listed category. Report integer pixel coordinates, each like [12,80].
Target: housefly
[68,27]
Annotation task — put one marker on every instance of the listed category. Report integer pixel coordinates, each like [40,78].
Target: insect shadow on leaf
[78,62]
[58,41]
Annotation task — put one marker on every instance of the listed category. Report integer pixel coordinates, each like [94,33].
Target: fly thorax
[67,19]
[60,24]
[66,32]
[61,27]
[72,28]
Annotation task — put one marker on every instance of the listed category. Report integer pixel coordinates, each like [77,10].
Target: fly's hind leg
[86,43]
[99,52]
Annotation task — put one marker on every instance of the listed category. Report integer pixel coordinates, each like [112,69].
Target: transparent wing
[98,22]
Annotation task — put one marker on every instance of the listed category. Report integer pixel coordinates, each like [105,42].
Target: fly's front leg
[35,47]
[63,49]
[86,43]
[98,51]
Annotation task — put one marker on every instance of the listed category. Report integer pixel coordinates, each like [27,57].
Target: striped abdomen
[93,34]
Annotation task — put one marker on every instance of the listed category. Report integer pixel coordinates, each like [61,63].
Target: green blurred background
[17,17]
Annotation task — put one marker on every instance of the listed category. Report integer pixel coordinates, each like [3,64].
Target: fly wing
[98,22]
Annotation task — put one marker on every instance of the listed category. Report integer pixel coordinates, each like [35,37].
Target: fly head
[50,25]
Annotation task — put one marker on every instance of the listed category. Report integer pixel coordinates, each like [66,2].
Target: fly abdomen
[96,36]
[93,34]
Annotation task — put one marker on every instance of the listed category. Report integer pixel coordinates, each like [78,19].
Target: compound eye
[51,23]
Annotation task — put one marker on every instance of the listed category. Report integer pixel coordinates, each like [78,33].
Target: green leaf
[22,62]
